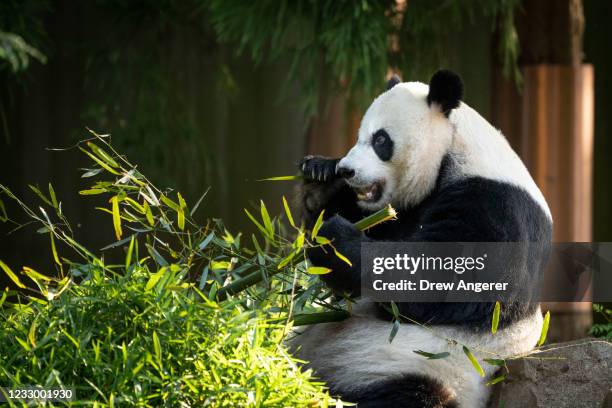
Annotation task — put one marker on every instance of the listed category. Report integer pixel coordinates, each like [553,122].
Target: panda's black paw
[339,230]
[344,277]
[318,168]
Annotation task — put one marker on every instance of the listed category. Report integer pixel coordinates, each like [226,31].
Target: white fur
[422,136]
[356,353]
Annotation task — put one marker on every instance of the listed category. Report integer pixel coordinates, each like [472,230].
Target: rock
[574,374]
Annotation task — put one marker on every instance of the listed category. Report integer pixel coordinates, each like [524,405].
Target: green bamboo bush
[173,313]
[189,316]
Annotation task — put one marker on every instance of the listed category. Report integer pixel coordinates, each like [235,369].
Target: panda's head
[402,140]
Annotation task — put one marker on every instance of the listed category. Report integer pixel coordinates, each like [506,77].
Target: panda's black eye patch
[382,145]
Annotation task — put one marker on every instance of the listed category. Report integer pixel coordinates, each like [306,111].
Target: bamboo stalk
[385,214]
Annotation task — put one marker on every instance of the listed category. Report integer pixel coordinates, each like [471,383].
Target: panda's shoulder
[500,210]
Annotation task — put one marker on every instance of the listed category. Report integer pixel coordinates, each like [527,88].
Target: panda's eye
[382,144]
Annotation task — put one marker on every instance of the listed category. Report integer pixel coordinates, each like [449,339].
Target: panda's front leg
[346,239]
[322,189]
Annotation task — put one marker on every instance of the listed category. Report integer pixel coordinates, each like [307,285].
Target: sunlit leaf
[149,214]
[100,162]
[32,333]
[155,278]
[128,256]
[496,380]
[495,319]
[220,265]
[93,191]
[116,217]
[282,178]
[11,274]
[181,212]
[266,219]
[3,214]
[317,226]
[474,362]
[342,257]
[288,212]
[544,331]
[495,362]
[31,273]
[103,155]
[54,249]
[318,270]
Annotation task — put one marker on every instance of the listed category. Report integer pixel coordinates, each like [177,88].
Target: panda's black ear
[394,80]
[445,90]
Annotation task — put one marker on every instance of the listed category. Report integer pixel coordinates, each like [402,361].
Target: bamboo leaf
[266,219]
[322,240]
[170,203]
[100,162]
[39,193]
[282,178]
[3,214]
[157,346]
[496,380]
[135,204]
[149,214]
[128,256]
[474,362]
[432,356]
[54,249]
[288,212]
[286,260]
[206,241]
[395,310]
[11,275]
[495,319]
[93,191]
[53,197]
[197,204]
[32,333]
[157,256]
[220,265]
[103,155]
[91,172]
[155,278]
[116,217]
[32,274]
[257,224]
[317,226]
[394,330]
[495,362]
[342,257]
[181,212]
[544,331]
[318,270]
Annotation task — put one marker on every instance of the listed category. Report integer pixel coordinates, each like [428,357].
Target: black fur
[408,391]
[470,210]
[394,80]
[333,195]
[382,145]
[445,90]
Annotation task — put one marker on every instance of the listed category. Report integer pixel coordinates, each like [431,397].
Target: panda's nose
[345,172]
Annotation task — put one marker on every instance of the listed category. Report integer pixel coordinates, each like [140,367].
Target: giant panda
[452,177]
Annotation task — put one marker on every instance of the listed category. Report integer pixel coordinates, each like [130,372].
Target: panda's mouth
[371,193]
